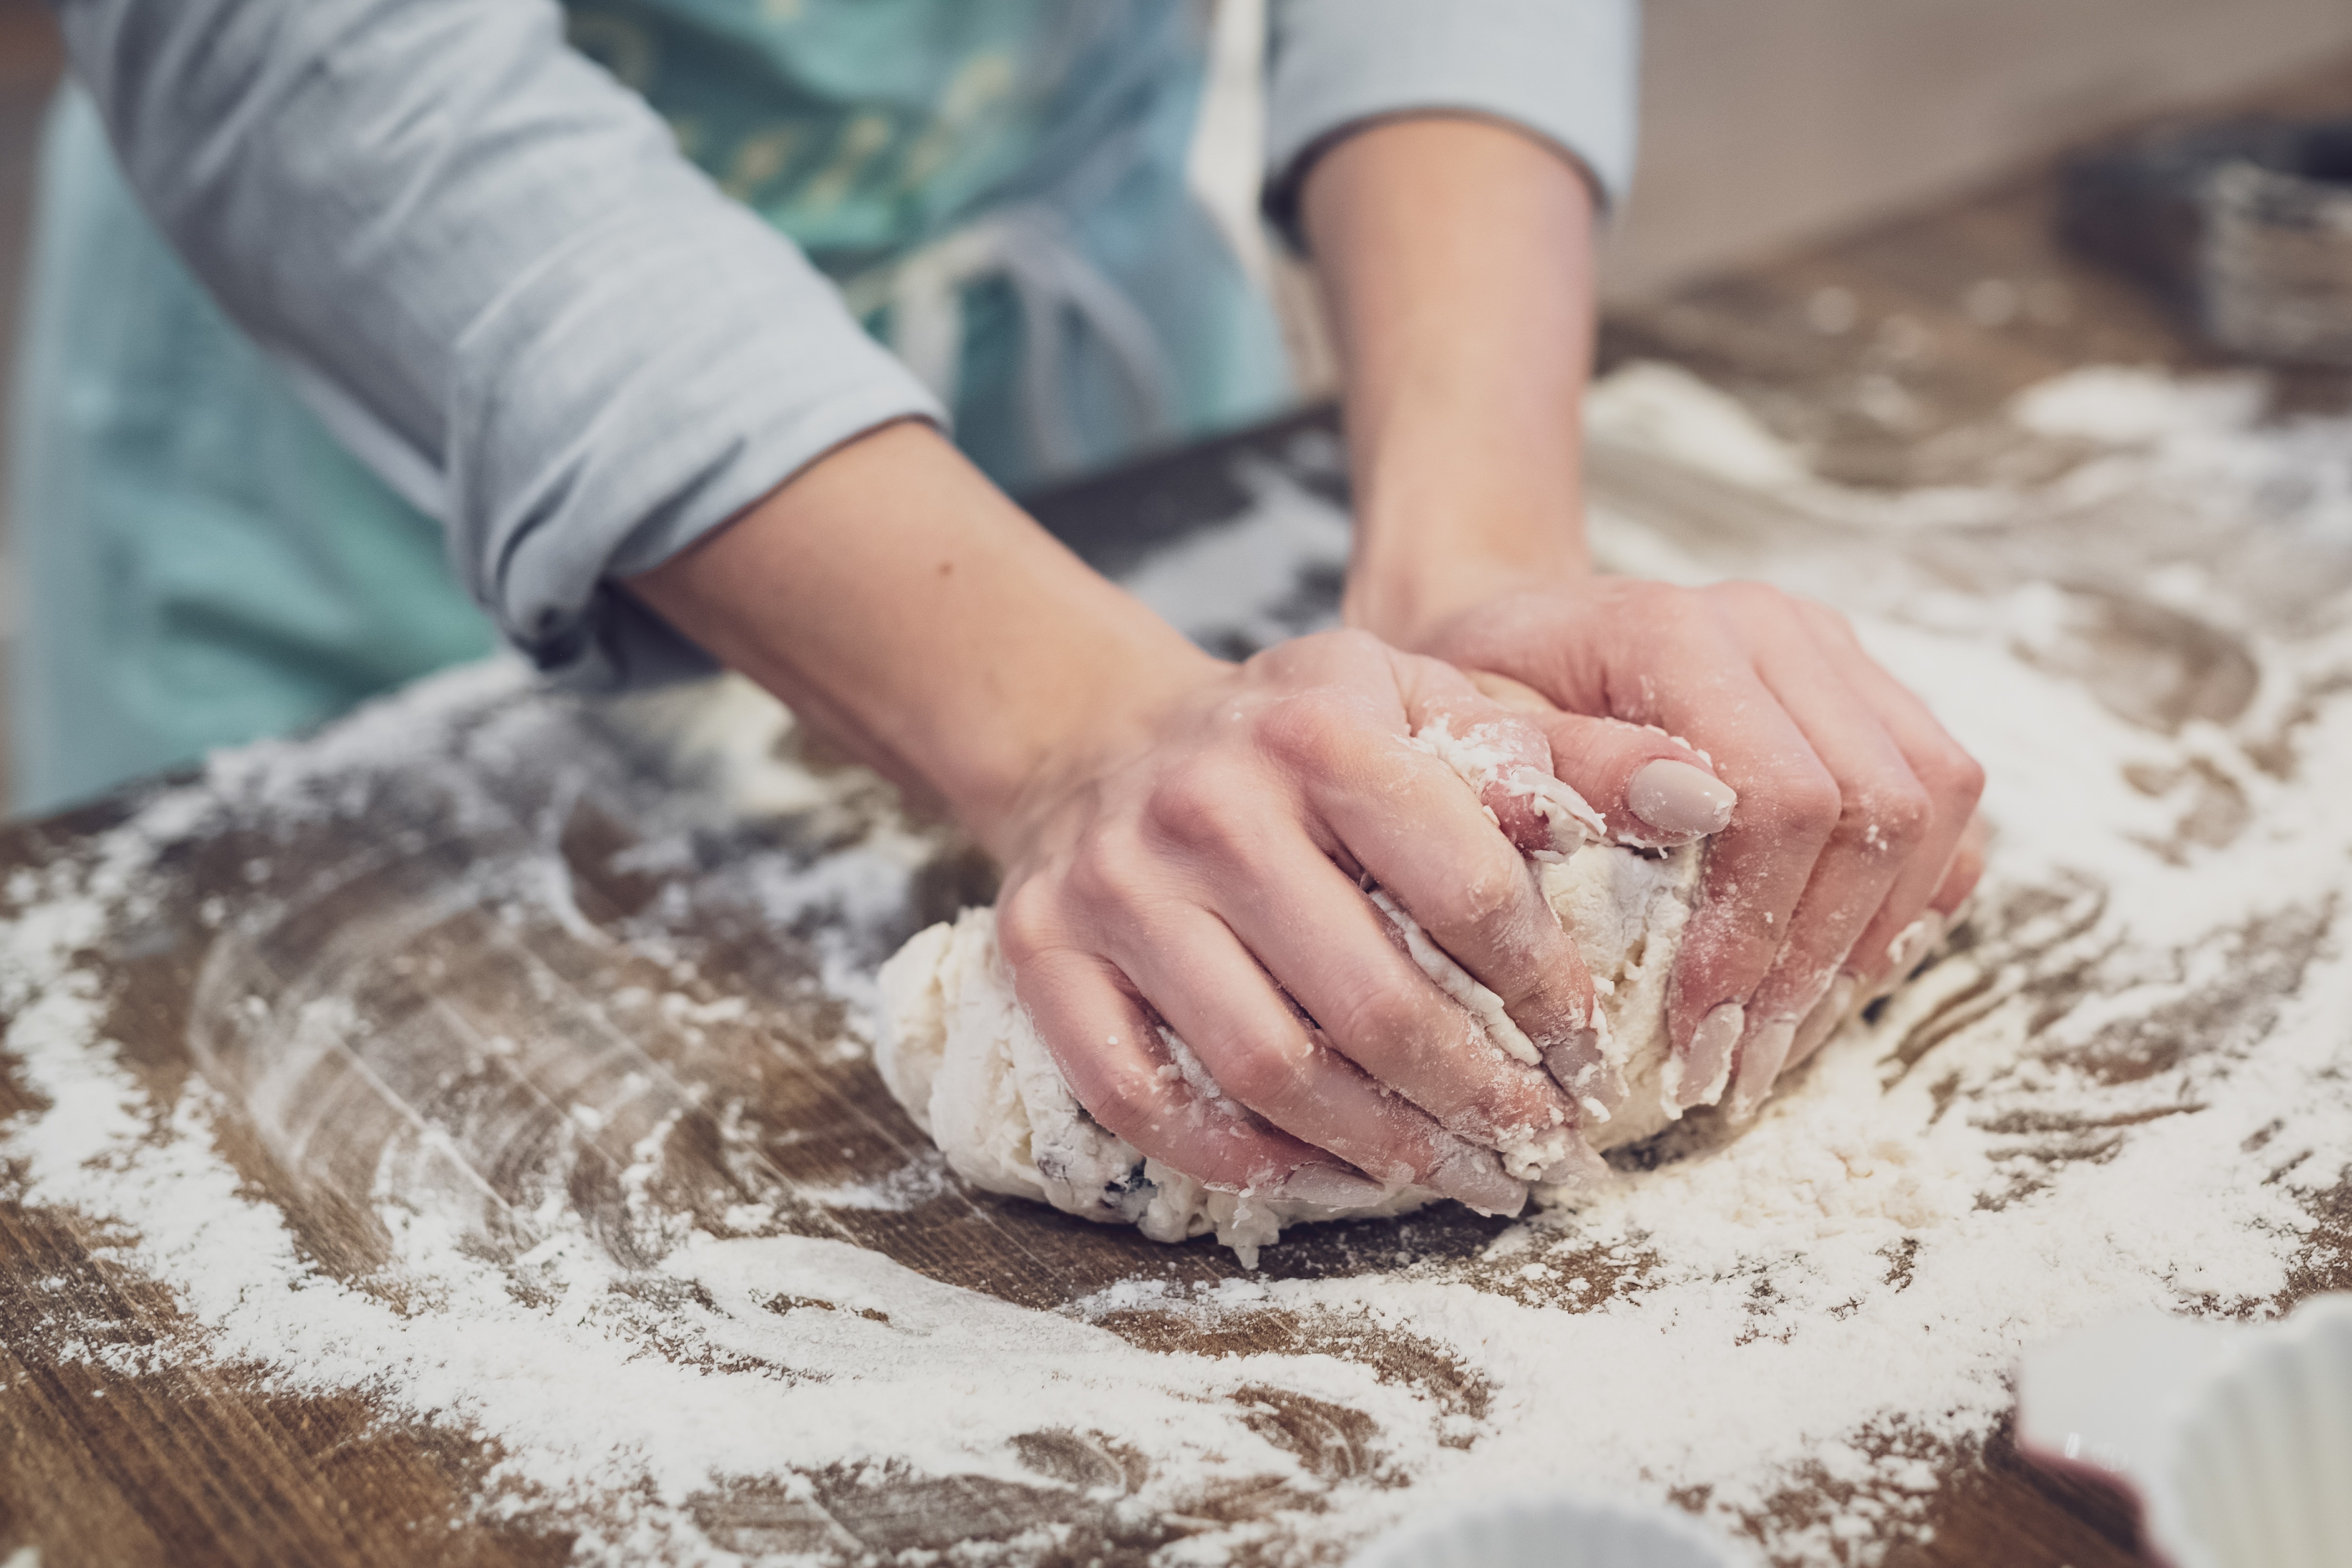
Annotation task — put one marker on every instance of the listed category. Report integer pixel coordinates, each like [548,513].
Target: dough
[959,1053]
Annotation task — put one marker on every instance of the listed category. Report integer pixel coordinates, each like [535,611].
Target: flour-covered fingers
[1259,1052]
[1501,754]
[1123,1072]
[1848,995]
[1444,1042]
[1884,815]
[1757,870]
[1951,781]
[1403,813]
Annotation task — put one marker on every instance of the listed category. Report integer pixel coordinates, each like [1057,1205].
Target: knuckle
[1261,1074]
[1667,608]
[1896,816]
[1311,732]
[1749,598]
[1959,777]
[1025,923]
[1385,1013]
[1201,805]
[1108,871]
[1825,622]
[1803,804]
[1485,894]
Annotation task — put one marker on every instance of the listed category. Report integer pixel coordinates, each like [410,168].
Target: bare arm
[1459,258]
[1459,254]
[1181,836]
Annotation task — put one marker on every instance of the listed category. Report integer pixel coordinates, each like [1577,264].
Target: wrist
[1446,519]
[1458,260]
[1408,604]
[902,605]
[1007,784]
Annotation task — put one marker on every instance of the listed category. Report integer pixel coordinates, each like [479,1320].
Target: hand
[1199,863]
[1181,835]
[1852,801]
[1457,257]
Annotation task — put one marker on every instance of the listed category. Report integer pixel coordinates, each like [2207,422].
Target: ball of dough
[959,1053]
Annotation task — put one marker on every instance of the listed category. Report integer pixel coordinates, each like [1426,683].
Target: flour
[2130,1087]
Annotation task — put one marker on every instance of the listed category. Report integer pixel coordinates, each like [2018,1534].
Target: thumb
[1502,755]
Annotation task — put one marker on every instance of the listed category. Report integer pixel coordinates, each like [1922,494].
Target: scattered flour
[2132,1088]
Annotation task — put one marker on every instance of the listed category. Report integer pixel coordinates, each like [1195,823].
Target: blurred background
[1767,124]
[28,69]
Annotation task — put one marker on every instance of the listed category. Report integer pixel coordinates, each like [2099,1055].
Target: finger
[1339,957]
[1956,879]
[1846,996]
[1502,755]
[1121,1072]
[1884,816]
[1951,778]
[1756,868]
[1652,789]
[1260,1052]
[1964,870]
[1403,814]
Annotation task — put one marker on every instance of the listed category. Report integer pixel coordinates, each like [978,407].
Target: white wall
[1769,122]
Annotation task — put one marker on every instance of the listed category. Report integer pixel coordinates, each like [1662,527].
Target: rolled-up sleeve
[489,268]
[1564,69]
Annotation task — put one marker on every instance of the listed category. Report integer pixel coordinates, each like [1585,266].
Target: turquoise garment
[207,566]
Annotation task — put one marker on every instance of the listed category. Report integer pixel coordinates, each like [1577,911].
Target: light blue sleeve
[487,267]
[1566,70]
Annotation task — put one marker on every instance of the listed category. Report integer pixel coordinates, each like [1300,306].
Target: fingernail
[1760,1064]
[1707,1064]
[1828,1013]
[1472,1176]
[1329,1186]
[1903,954]
[1580,1065]
[1680,799]
[1580,1169]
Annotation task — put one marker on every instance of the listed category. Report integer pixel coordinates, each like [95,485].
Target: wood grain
[383,905]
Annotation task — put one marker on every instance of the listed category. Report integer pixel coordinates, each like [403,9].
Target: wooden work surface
[398,893]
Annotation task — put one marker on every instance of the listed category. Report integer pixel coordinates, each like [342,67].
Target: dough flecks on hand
[959,1053]
[1479,757]
[1482,1004]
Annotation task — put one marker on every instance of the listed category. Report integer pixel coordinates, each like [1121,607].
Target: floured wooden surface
[450,1140]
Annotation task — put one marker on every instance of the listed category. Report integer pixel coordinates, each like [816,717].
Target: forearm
[894,597]
[495,275]
[1457,257]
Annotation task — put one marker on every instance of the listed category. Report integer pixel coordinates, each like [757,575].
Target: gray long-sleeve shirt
[489,267]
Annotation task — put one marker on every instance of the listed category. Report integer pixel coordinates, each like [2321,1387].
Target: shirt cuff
[702,374]
[1566,70]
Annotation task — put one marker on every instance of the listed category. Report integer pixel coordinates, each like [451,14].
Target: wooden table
[193,1462]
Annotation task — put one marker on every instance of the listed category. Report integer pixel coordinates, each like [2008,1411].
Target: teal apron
[999,186]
